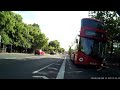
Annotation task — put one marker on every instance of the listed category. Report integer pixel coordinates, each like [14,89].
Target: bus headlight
[81,59]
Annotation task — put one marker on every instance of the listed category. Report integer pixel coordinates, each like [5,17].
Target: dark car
[52,53]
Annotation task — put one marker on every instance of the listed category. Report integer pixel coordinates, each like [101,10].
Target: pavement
[112,65]
[19,55]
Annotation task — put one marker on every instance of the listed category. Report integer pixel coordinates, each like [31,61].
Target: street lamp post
[26,48]
[0,41]
[11,48]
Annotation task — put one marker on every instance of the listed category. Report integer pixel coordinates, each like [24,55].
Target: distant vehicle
[39,52]
[52,53]
[91,43]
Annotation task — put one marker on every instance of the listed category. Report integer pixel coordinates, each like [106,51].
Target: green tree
[19,29]
[14,31]
[55,44]
[7,23]
[112,23]
[61,50]
[38,38]
[110,19]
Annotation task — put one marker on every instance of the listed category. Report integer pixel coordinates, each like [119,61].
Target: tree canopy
[55,46]
[112,24]
[110,19]
[15,32]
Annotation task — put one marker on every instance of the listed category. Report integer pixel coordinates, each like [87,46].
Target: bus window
[94,33]
[92,23]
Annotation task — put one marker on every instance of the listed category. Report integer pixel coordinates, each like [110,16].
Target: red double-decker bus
[91,43]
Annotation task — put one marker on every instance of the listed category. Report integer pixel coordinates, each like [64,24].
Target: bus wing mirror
[118,12]
[76,40]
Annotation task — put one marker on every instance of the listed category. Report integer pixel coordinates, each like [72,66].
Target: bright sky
[57,25]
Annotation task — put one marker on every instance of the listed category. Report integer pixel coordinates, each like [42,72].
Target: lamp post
[0,41]
[11,48]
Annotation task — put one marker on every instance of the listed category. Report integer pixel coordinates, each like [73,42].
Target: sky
[63,26]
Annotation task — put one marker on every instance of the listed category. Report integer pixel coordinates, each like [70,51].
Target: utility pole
[11,48]
[0,41]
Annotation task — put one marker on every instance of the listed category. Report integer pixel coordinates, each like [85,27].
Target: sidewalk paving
[112,65]
[14,55]
[18,55]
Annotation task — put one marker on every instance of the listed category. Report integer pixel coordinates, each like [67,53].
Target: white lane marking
[43,73]
[65,57]
[44,77]
[99,69]
[57,64]
[70,67]
[105,67]
[74,71]
[52,68]
[10,58]
[42,68]
[58,61]
[62,70]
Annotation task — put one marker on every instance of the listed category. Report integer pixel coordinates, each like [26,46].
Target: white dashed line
[43,77]
[62,70]
[52,68]
[57,64]
[58,61]
[99,69]
[42,68]
[70,67]
[75,72]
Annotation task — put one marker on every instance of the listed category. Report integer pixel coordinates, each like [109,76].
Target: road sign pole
[0,41]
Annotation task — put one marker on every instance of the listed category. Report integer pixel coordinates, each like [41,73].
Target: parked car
[39,52]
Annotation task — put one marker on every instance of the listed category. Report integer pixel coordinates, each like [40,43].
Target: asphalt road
[51,67]
[31,68]
[87,72]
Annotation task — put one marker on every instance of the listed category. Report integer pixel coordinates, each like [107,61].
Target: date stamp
[105,78]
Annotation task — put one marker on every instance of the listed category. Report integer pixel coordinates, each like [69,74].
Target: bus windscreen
[92,23]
